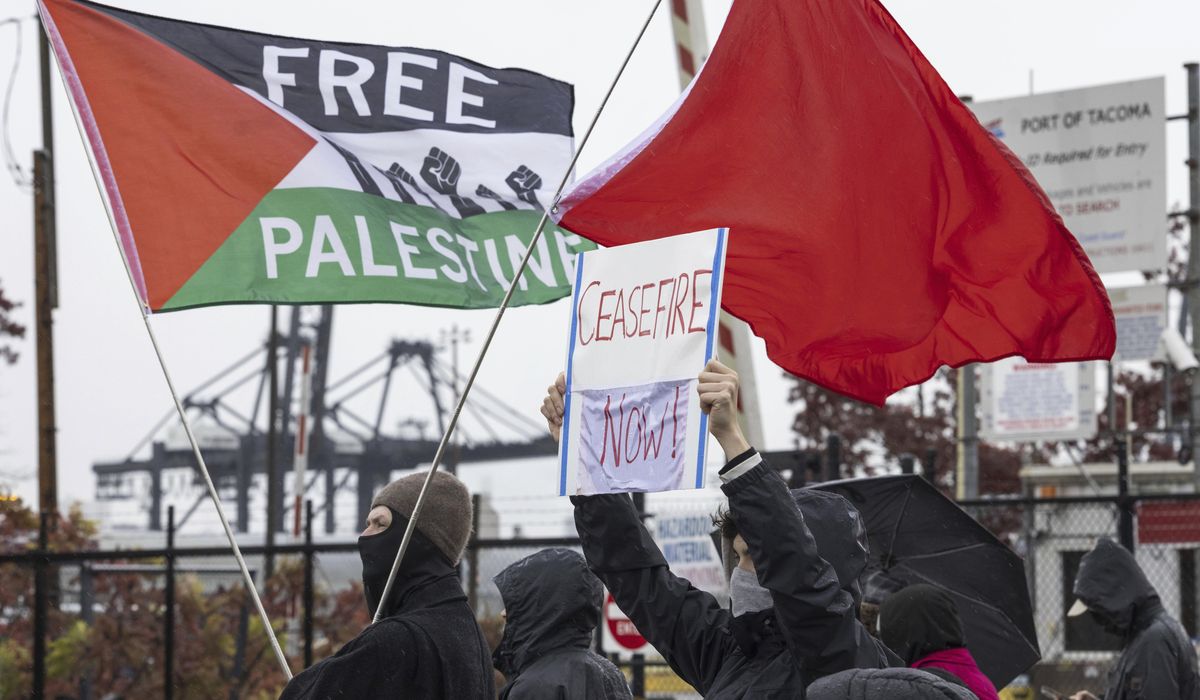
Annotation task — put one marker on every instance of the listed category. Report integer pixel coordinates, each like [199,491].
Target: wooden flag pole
[487,341]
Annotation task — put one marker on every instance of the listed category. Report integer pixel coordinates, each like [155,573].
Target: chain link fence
[105,614]
[1054,534]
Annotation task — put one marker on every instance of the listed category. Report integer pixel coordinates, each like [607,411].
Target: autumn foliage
[9,329]
[120,652]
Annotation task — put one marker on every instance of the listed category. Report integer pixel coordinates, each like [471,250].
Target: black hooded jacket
[1157,661]
[918,621]
[428,645]
[813,628]
[552,604]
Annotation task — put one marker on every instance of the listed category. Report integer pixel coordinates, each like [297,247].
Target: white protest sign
[1141,315]
[643,325]
[1100,155]
[1026,402]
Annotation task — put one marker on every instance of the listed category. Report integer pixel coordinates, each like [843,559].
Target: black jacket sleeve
[818,617]
[686,625]
[365,667]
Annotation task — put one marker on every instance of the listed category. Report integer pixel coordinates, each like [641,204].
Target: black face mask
[1107,623]
[423,563]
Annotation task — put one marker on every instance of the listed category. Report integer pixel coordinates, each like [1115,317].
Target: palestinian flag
[243,167]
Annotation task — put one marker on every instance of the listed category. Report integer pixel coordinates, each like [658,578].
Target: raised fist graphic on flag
[441,171]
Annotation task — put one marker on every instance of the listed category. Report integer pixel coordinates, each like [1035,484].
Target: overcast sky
[109,388]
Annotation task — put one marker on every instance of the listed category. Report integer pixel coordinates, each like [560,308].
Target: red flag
[878,232]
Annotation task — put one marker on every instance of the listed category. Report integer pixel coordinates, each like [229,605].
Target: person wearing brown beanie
[427,643]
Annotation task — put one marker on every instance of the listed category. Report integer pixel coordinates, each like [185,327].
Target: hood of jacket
[1113,586]
[920,620]
[838,530]
[551,601]
[890,683]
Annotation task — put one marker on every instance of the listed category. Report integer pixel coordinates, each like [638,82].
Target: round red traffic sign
[620,627]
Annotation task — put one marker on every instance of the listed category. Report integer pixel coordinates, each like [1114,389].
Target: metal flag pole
[487,341]
[251,588]
[216,500]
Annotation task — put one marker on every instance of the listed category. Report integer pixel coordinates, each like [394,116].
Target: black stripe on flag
[363,88]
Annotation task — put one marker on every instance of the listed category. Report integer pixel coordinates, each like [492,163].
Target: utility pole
[1193,276]
[46,294]
[45,286]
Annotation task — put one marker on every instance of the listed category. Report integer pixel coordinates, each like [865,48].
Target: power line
[19,175]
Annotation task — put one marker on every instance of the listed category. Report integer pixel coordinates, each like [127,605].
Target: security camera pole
[1193,277]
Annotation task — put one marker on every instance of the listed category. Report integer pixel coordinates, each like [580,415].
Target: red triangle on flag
[188,155]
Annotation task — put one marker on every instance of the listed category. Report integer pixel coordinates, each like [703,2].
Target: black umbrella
[917,535]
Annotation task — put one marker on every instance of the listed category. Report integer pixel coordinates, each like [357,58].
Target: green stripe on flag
[325,245]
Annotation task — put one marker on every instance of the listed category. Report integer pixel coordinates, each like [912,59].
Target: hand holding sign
[552,406]
[643,323]
[718,389]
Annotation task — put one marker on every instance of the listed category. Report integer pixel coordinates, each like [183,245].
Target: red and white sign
[1169,522]
[619,635]
[1141,315]
[1025,402]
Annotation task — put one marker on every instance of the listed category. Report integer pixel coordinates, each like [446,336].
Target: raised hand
[405,177]
[718,389]
[441,172]
[484,192]
[525,183]
[395,175]
[359,170]
[552,406]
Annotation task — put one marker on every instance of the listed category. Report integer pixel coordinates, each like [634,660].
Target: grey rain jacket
[886,683]
[812,631]
[552,605]
[1158,661]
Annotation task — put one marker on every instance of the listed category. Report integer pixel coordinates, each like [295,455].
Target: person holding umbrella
[921,624]
[918,535]
[1157,660]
